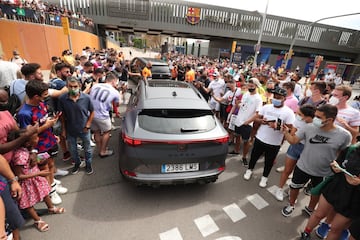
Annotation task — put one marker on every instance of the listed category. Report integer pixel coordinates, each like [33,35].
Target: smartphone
[42,156]
[278,124]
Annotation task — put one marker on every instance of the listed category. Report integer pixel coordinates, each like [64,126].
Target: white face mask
[318,122]
[334,100]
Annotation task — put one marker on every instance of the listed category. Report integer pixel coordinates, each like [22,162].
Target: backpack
[14,102]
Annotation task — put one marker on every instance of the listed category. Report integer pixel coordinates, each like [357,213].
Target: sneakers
[305,236]
[55,198]
[279,194]
[60,189]
[89,170]
[79,146]
[263,182]
[345,235]
[245,162]
[67,156]
[247,174]
[57,182]
[92,144]
[307,210]
[280,169]
[82,163]
[60,172]
[322,230]
[75,169]
[287,211]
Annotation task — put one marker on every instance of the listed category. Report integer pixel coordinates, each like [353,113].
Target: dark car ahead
[170,135]
[160,69]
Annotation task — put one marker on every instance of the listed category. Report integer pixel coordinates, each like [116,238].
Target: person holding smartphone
[269,136]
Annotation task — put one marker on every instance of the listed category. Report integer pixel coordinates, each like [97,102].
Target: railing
[29,15]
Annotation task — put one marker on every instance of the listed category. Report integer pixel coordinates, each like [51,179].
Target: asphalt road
[105,206]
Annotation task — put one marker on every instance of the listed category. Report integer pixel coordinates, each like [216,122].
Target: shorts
[53,152]
[355,228]
[300,178]
[294,151]
[12,212]
[244,131]
[102,125]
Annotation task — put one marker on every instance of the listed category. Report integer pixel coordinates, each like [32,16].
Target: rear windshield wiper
[188,130]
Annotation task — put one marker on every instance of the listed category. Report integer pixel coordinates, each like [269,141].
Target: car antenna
[174,94]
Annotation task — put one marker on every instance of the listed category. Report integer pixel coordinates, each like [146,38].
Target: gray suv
[170,135]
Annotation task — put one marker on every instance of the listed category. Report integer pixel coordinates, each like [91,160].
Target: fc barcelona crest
[193,15]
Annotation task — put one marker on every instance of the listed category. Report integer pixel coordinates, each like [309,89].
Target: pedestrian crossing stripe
[257,201]
[206,225]
[172,234]
[234,212]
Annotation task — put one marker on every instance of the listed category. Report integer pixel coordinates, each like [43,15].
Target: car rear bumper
[175,178]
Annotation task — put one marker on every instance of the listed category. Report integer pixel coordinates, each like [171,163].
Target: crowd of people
[261,107]
[41,11]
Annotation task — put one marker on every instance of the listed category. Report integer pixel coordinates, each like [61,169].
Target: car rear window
[160,69]
[176,121]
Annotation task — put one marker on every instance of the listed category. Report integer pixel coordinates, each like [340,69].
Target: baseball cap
[279,91]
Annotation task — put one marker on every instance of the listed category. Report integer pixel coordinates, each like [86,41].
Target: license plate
[185,167]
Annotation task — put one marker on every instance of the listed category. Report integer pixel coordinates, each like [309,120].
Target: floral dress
[33,189]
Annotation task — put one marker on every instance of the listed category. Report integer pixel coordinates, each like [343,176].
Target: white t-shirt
[267,134]
[217,87]
[247,108]
[229,96]
[102,95]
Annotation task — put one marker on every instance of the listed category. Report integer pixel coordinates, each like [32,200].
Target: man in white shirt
[269,136]
[215,88]
[249,105]
[347,117]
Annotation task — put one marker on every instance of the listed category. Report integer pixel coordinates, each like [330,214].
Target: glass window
[176,121]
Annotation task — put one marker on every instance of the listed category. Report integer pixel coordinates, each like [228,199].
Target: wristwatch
[14,179]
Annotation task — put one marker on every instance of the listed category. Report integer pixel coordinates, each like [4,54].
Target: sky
[307,10]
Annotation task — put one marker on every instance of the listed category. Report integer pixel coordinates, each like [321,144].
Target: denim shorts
[294,151]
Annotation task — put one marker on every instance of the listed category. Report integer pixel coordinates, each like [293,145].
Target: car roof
[172,95]
[154,61]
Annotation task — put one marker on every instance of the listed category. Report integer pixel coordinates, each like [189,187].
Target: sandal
[41,225]
[56,210]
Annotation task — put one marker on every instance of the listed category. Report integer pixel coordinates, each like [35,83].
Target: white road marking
[172,234]
[257,201]
[234,212]
[206,225]
[229,238]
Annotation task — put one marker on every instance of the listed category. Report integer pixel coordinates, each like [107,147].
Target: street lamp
[258,46]
[309,25]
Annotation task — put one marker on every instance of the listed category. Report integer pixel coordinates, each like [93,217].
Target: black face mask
[251,90]
[262,82]
[90,71]
[4,107]
[269,90]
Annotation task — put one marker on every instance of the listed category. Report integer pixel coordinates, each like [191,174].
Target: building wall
[38,43]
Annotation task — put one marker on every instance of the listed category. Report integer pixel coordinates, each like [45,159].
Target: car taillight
[222,140]
[128,173]
[221,169]
[131,141]
[136,142]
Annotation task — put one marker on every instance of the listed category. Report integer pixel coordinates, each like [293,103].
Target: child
[35,187]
